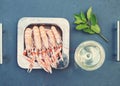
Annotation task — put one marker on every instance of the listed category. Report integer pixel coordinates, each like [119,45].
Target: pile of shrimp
[43,46]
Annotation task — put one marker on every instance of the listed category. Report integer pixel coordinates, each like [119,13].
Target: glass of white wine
[89,55]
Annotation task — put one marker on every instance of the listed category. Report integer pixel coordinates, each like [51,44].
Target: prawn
[29,48]
[58,40]
[45,46]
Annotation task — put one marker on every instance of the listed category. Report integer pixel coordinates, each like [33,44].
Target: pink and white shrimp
[28,40]
[52,45]
[58,40]
[56,34]
[38,48]
[37,38]
[51,38]
[44,37]
[45,44]
[29,47]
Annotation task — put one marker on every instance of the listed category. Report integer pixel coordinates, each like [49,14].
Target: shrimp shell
[28,39]
[56,34]
[51,38]
[37,37]
[44,37]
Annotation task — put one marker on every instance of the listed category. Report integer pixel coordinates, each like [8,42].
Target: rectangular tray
[25,21]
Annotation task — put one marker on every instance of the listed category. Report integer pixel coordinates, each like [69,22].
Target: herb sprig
[88,23]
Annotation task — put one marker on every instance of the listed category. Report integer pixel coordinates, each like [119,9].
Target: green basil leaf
[78,22]
[83,16]
[89,13]
[78,19]
[77,16]
[95,28]
[93,19]
[81,26]
[88,30]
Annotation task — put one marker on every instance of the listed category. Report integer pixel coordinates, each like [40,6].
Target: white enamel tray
[25,21]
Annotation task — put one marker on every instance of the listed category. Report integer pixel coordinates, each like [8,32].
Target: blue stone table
[107,12]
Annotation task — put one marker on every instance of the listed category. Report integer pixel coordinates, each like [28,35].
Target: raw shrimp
[44,37]
[51,38]
[45,47]
[38,47]
[58,40]
[29,48]
[56,34]
[28,40]
[37,38]
[52,45]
